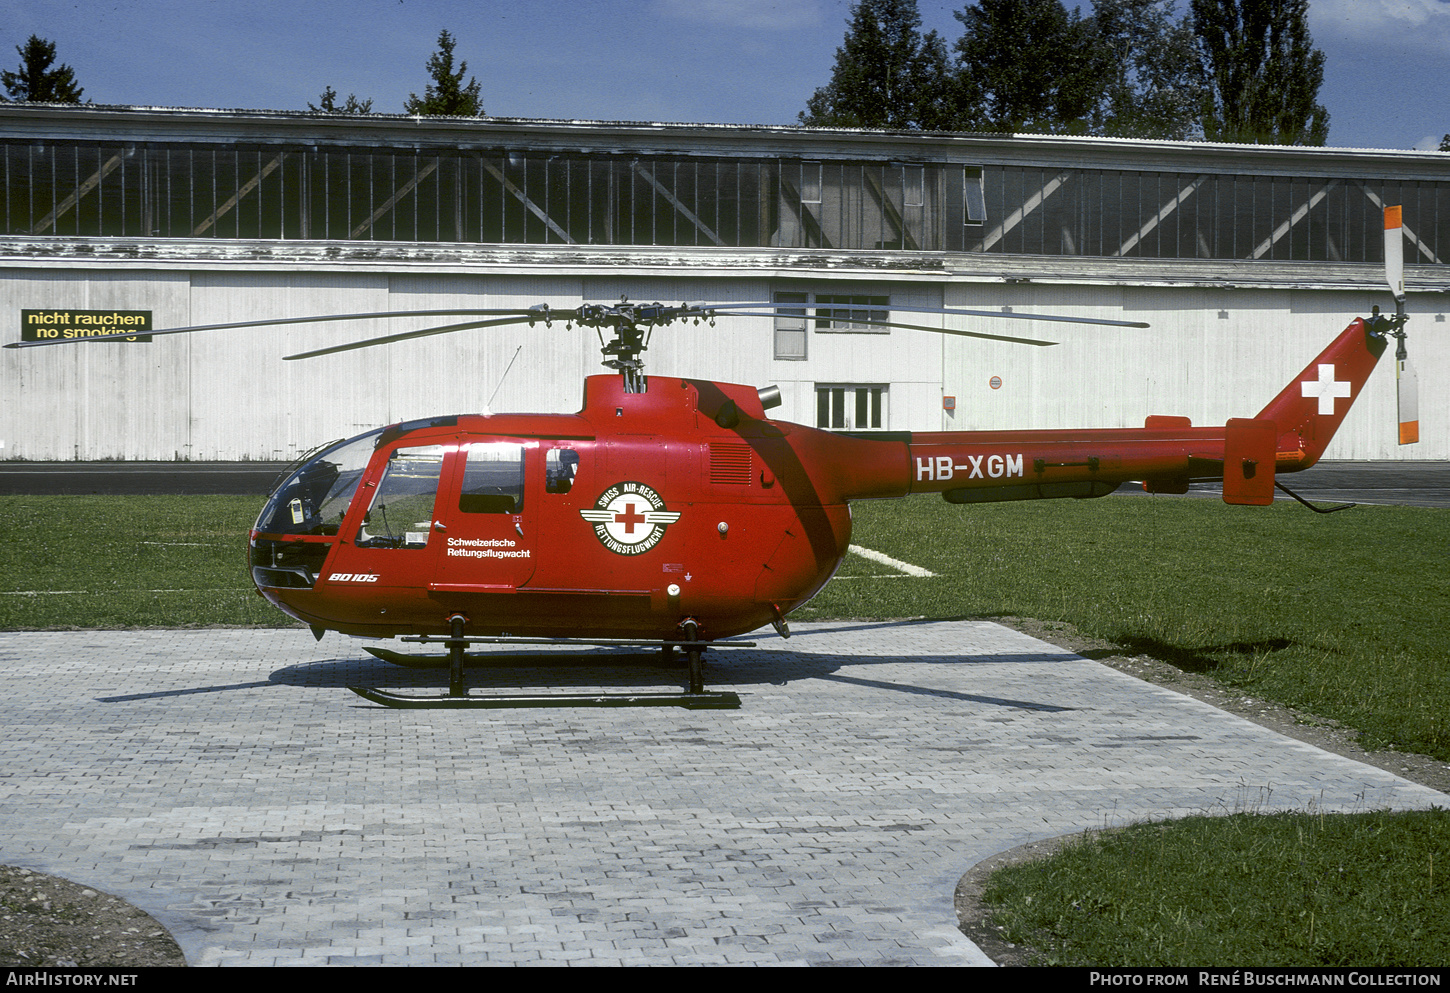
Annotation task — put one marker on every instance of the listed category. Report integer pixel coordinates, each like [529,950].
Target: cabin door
[487,512]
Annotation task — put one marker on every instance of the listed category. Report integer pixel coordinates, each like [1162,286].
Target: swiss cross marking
[629,518]
[1326,389]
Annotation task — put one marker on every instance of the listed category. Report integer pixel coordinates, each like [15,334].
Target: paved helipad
[227,783]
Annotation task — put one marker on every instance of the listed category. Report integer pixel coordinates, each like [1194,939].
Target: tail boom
[992,466]
[1167,453]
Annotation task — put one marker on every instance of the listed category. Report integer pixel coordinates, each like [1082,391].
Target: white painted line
[113,592]
[897,564]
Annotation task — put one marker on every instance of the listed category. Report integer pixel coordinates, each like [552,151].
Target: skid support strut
[694,656]
[695,698]
[456,646]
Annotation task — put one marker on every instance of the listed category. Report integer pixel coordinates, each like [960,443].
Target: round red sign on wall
[995,382]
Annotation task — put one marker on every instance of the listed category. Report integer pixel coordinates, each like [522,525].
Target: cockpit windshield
[315,498]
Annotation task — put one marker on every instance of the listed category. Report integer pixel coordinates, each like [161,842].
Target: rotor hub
[631,324]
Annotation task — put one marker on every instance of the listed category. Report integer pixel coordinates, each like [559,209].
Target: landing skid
[690,701]
[694,698]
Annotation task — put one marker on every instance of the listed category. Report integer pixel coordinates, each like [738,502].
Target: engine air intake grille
[729,463]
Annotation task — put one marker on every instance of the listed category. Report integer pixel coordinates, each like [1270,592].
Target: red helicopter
[675,513]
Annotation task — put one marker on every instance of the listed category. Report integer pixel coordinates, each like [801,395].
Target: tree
[1156,85]
[352,105]
[446,96]
[1029,65]
[36,81]
[886,74]
[1264,73]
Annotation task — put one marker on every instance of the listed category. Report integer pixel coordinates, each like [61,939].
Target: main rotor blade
[1013,315]
[748,305]
[277,321]
[1005,315]
[407,335]
[923,327]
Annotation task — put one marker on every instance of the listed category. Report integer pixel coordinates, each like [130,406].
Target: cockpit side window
[493,479]
[401,515]
[560,467]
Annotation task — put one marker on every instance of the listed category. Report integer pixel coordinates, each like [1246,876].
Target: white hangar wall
[1213,352]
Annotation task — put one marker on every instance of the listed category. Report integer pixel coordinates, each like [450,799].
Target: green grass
[128,561]
[1299,889]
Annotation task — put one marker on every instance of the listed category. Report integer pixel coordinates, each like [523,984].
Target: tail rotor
[1406,387]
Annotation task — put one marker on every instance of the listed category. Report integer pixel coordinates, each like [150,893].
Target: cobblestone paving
[226,782]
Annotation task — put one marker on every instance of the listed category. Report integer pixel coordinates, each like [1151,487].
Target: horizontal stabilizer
[1248,461]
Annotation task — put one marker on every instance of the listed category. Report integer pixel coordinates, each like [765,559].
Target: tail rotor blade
[1395,253]
[1408,395]
[1407,389]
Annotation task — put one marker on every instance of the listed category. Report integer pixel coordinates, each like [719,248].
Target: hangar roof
[90,121]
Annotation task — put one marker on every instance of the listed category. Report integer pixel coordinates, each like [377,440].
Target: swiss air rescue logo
[629,518]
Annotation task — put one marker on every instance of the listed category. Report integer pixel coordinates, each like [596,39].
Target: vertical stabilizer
[1311,408]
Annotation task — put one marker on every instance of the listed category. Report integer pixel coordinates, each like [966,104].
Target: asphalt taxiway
[227,782]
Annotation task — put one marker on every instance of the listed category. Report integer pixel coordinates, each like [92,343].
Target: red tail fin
[1311,408]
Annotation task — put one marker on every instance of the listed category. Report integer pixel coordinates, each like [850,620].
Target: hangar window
[974,201]
[852,312]
[222,187]
[790,327]
[851,406]
[232,189]
[855,313]
[810,182]
[1147,214]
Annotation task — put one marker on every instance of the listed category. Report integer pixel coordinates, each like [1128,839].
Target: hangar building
[1245,260]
